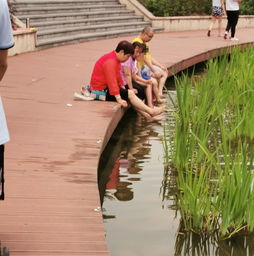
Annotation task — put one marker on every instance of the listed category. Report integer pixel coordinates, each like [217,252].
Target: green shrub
[191,7]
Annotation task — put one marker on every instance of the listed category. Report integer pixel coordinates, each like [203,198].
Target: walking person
[218,10]
[6,42]
[233,10]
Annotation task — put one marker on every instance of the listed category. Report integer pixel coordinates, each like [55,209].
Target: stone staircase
[62,22]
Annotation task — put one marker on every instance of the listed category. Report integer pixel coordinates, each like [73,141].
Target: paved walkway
[51,161]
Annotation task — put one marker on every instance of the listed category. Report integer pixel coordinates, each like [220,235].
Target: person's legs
[156,91]
[123,93]
[211,25]
[235,16]
[219,25]
[229,24]
[140,89]
[162,82]
[150,118]
[141,107]
[149,95]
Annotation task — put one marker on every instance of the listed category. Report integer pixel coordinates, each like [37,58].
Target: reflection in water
[190,244]
[120,163]
[130,174]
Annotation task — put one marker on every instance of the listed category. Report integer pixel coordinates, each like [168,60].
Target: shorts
[217,11]
[123,93]
[146,73]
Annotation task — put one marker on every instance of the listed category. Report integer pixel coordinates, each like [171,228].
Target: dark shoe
[209,33]
[225,36]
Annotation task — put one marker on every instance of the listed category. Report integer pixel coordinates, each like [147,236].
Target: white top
[232,5]
[6,42]
[4,134]
[6,38]
[217,3]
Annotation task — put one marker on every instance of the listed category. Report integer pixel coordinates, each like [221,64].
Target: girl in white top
[232,8]
[218,11]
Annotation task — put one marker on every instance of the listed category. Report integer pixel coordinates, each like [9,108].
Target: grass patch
[211,146]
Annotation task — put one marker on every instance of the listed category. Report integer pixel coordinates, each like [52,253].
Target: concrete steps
[87,29]
[77,38]
[67,9]
[50,3]
[44,25]
[62,22]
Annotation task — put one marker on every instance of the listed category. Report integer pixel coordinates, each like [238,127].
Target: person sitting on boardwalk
[144,75]
[159,71]
[141,87]
[106,78]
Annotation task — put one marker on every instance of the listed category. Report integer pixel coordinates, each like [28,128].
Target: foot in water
[158,110]
[155,119]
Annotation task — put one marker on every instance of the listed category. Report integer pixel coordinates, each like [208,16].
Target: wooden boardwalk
[51,162]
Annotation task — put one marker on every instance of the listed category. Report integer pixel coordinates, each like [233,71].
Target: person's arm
[223,7]
[141,81]
[121,101]
[3,63]
[112,74]
[157,63]
[128,77]
[156,74]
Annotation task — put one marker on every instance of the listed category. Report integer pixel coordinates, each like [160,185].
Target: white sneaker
[79,96]
[234,39]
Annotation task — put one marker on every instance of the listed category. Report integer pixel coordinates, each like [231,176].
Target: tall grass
[211,146]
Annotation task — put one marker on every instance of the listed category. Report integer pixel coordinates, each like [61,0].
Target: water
[136,220]
[139,211]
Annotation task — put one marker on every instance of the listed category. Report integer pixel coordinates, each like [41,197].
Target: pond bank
[51,162]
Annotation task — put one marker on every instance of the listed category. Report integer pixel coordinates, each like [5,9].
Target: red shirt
[106,74]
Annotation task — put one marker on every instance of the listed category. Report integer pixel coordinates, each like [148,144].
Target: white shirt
[217,3]
[6,38]
[6,42]
[232,5]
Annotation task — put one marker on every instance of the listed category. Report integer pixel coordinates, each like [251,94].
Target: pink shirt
[130,63]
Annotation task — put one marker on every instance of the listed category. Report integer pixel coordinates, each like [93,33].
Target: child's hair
[126,46]
[141,46]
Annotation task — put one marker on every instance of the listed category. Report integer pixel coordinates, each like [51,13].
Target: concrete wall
[25,41]
[181,23]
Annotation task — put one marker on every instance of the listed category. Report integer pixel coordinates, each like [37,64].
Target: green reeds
[211,146]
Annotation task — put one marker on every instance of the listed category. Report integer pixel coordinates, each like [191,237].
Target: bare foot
[161,101]
[157,110]
[155,119]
